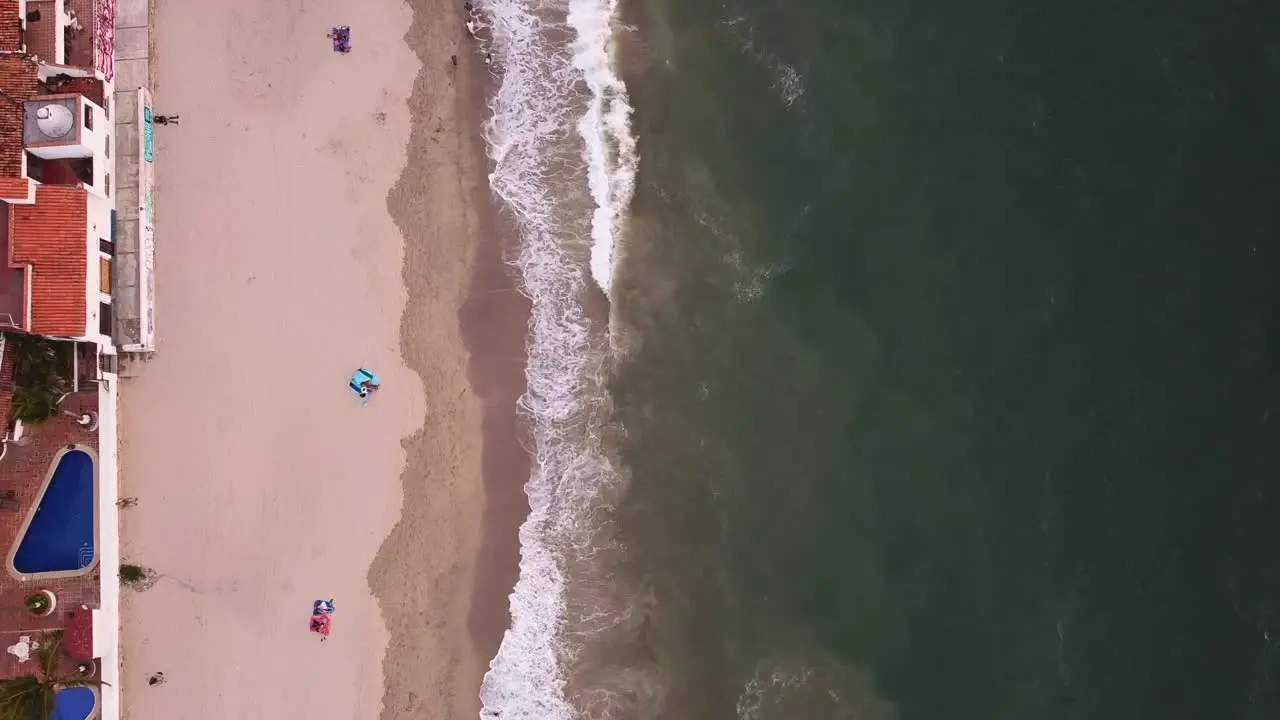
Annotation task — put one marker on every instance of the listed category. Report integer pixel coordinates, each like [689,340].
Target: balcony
[80,33]
[90,37]
[65,137]
[44,28]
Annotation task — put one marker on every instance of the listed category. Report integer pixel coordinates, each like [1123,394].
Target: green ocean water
[954,388]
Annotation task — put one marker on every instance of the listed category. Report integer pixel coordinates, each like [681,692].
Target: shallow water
[939,366]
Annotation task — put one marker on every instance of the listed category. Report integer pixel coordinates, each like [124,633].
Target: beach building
[57,215]
[58,519]
[100,50]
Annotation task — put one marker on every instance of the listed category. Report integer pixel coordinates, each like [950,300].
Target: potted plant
[31,697]
[41,603]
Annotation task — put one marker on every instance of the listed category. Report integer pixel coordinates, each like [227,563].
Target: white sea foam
[817,687]
[605,130]
[564,163]
[787,80]
[766,687]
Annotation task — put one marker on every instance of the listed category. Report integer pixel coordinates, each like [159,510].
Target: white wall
[96,141]
[60,47]
[106,619]
[98,227]
[93,143]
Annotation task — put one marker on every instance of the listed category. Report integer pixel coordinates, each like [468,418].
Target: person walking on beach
[165,119]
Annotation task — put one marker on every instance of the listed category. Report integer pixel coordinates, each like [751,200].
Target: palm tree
[31,697]
[37,381]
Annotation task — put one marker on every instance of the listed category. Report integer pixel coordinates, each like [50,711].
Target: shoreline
[495,326]
[462,227]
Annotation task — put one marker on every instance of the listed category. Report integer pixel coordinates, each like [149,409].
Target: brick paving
[23,471]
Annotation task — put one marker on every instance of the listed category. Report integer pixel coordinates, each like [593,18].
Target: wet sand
[455,611]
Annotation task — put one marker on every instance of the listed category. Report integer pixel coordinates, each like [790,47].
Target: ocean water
[894,359]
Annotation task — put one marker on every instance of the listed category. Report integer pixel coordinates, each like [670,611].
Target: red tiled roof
[10,26]
[15,189]
[50,236]
[6,389]
[18,81]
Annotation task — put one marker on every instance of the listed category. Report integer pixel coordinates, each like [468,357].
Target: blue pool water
[60,537]
[74,704]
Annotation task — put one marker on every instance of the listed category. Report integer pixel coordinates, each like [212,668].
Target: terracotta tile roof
[6,389]
[50,236]
[10,26]
[16,189]
[18,81]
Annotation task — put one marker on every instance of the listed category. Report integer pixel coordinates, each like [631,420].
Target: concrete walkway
[132,71]
[132,64]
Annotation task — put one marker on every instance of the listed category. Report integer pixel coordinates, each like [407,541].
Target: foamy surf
[605,130]
[564,163]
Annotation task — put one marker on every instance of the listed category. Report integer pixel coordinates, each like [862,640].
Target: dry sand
[262,484]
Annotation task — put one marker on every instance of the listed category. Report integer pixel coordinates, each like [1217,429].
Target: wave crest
[564,163]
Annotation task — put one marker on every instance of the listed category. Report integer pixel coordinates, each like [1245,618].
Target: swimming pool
[77,703]
[60,536]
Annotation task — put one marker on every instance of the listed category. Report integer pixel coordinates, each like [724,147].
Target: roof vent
[55,121]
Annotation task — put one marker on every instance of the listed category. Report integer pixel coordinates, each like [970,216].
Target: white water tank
[55,121]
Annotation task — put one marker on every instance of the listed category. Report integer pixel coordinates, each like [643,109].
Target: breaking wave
[564,163]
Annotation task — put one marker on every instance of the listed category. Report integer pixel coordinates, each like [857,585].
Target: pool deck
[23,470]
[106,619]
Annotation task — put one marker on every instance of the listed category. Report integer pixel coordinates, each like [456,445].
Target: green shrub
[132,574]
[37,603]
[37,381]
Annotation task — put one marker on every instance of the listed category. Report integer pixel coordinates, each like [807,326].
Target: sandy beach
[316,213]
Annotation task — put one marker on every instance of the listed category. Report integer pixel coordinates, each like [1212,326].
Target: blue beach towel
[362,382]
